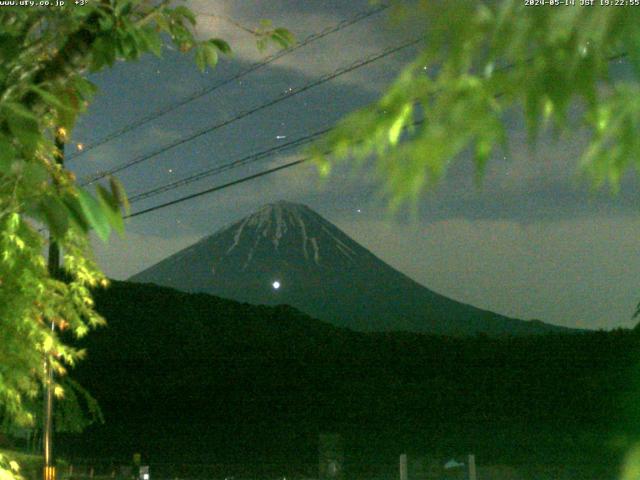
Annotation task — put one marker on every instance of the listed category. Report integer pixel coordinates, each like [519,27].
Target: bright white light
[280,137]
[276,285]
[145,476]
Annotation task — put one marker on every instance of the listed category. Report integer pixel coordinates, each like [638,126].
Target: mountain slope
[287,254]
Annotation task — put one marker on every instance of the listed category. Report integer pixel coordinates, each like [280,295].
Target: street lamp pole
[49,472]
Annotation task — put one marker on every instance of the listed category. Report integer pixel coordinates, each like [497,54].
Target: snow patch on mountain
[279,221]
[236,237]
[316,250]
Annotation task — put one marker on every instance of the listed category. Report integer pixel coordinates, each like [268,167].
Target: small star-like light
[280,137]
[170,170]
[80,147]
[276,285]
[359,211]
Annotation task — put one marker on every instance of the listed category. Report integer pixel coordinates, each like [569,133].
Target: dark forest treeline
[192,376]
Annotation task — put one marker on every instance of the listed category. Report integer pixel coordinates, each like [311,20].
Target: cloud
[219,18]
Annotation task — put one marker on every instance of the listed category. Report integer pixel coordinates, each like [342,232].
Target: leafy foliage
[482,59]
[45,55]
[9,469]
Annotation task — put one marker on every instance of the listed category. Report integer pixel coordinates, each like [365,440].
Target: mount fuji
[285,253]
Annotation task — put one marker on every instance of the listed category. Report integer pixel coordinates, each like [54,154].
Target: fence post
[472,467]
[331,457]
[404,471]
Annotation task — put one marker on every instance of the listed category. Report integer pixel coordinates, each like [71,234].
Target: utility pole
[49,471]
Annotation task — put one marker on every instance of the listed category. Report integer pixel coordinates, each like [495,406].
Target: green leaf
[7,155]
[106,22]
[50,98]
[201,59]
[76,213]
[108,199]
[9,46]
[103,53]
[279,40]
[399,123]
[221,45]
[184,12]
[111,208]
[163,23]
[118,191]
[95,214]
[210,54]
[54,213]
[286,35]
[123,8]
[128,47]
[85,88]
[151,41]
[266,23]
[34,174]
[24,125]
[483,149]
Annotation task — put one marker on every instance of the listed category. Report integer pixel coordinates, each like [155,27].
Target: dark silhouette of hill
[192,377]
[322,272]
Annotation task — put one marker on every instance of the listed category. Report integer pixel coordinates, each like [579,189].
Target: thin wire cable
[265,154]
[206,90]
[249,159]
[324,79]
[239,181]
[219,187]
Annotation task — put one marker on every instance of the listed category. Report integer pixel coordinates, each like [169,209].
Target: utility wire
[209,89]
[219,187]
[254,157]
[228,166]
[324,79]
[240,180]
[250,159]
[264,154]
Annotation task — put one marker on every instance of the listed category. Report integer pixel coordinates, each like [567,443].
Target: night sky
[532,242]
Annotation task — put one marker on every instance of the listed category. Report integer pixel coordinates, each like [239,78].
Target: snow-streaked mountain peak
[296,225]
[285,253]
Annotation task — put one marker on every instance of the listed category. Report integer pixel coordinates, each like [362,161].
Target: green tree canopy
[479,60]
[45,56]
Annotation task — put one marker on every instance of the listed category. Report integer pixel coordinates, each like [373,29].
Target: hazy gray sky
[532,242]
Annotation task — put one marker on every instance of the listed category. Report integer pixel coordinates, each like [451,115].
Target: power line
[241,180]
[250,159]
[246,113]
[257,66]
[219,187]
[258,156]
[228,166]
